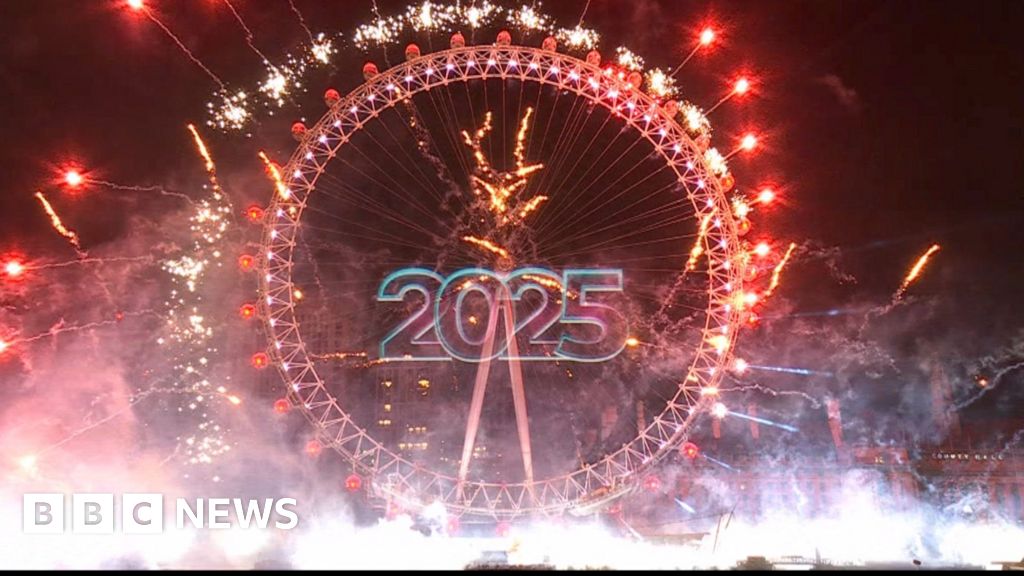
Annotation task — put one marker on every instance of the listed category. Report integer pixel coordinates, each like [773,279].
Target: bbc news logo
[144,513]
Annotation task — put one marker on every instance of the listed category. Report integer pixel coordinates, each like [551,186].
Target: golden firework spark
[201,146]
[339,355]
[486,245]
[502,187]
[58,225]
[275,175]
[531,206]
[698,245]
[777,273]
[544,281]
[916,270]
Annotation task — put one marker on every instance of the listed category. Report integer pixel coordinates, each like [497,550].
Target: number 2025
[531,314]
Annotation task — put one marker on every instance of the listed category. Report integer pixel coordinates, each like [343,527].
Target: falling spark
[249,36]
[764,421]
[584,13]
[189,335]
[81,261]
[138,6]
[685,506]
[275,175]
[486,245]
[339,355]
[777,272]
[718,462]
[61,327]
[302,21]
[55,220]
[86,429]
[698,245]
[800,371]
[773,392]
[201,146]
[915,271]
[136,188]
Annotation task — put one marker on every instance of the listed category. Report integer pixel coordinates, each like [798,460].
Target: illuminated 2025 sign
[530,314]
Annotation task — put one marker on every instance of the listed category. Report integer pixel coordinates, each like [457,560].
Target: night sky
[888,126]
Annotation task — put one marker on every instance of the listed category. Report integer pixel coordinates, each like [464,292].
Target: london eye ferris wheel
[505,274]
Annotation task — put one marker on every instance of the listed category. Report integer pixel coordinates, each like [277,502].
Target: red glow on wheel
[689,450]
[313,448]
[282,405]
[254,213]
[259,360]
[353,483]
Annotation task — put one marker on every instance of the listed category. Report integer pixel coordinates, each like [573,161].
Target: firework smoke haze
[140,366]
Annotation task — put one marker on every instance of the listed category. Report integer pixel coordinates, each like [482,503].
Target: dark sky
[888,125]
[887,121]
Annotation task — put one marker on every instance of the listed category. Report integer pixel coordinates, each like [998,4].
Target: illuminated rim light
[615,473]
